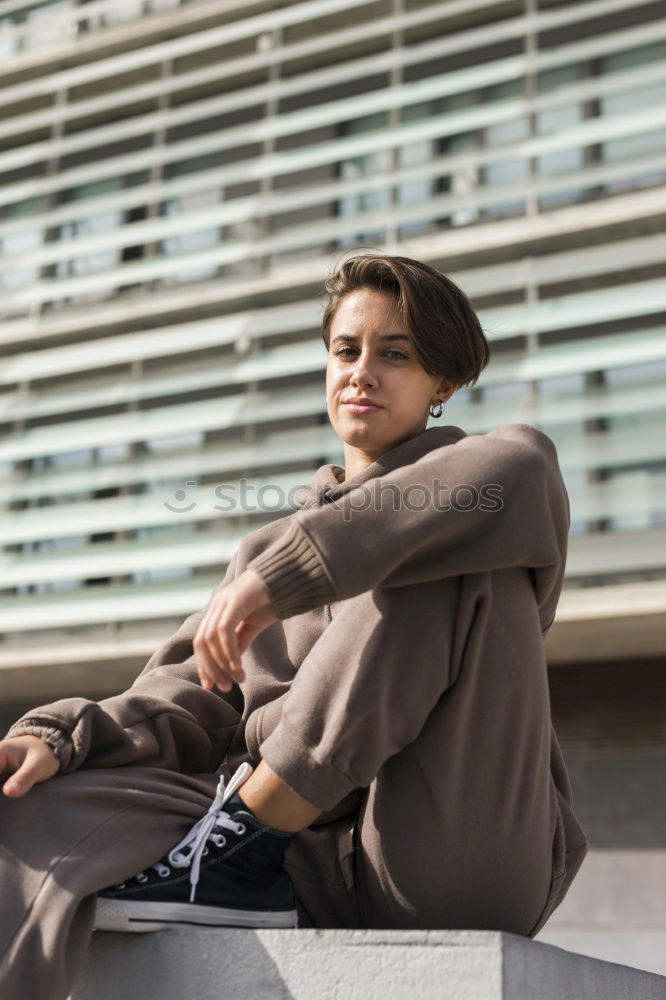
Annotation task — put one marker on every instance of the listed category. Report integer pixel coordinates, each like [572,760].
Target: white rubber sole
[138,917]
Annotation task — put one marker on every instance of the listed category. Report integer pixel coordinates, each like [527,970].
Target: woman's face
[363,362]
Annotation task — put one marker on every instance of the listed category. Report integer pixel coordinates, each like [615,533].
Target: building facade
[176,180]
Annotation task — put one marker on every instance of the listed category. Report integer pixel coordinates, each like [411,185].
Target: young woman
[355,731]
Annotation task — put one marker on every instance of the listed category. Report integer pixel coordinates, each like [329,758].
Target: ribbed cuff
[294,574]
[56,738]
[294,762]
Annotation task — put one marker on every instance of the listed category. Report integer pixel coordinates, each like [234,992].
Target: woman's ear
[445,389]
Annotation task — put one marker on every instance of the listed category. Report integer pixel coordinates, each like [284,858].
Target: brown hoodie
[441,504]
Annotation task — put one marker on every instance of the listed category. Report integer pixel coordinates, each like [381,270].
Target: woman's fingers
[237,613]
[218,655]
[210,661]
[215,660]
[20,783]
[30,759]
[208,666]
[225,632]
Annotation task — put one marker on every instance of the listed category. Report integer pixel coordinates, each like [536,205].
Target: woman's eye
[398,354]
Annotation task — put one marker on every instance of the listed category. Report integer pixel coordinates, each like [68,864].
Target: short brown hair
[443,326]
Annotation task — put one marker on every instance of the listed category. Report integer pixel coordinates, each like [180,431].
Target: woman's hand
[236,615]
[30,760]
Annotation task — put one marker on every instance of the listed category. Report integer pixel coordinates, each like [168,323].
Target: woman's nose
[362,370]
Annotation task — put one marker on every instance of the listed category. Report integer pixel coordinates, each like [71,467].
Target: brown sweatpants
[422,828]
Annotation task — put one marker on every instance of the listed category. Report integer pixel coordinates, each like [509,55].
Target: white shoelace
[203,830]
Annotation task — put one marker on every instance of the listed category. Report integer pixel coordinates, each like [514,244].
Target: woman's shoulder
[528,436]
[522,431]
[518,439]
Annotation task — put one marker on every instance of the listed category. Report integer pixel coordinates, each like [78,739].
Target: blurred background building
[177,178]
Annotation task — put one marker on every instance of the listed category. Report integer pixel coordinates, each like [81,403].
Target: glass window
[14,244]
[647,143]
[41,28]
[190,242]
[647,380]
[416,191]
[550,121]
[9,32]
[630,374]
[72,459]
[632,498]
[561,402]
[364,165]
[504,404]
[155,575]
[505,134]
[189,443]
[116,452]
[462,179]
[91,225]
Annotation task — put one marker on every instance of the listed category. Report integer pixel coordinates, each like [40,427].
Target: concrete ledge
[608,623]
[307,964]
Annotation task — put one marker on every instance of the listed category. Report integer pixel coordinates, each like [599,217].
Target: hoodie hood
[329,484]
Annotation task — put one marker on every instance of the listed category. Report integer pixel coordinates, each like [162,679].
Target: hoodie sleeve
[488,501]
[165,719]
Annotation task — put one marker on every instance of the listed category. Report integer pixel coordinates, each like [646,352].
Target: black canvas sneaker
[239,859]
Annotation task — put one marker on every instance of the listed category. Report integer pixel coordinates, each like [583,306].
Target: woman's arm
[165,719]
[412,525]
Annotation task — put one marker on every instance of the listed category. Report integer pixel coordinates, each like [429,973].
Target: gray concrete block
[306,964]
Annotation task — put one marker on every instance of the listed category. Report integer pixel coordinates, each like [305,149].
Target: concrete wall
[354,965]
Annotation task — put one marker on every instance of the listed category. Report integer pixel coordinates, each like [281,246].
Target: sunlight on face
[362,362]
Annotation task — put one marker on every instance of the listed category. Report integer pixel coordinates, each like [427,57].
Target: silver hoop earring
[440,411]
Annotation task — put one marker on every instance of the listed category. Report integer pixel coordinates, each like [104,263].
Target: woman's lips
[363,408]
